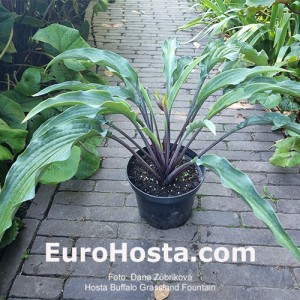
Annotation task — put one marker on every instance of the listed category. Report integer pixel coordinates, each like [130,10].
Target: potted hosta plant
[163,171]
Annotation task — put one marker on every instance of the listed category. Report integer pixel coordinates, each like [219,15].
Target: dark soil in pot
[146,182]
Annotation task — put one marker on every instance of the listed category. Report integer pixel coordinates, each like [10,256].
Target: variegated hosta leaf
[241,184]
[54,145]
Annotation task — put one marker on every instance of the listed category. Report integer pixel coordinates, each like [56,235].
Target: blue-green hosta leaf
[115,91]
[61,171]
[78,111]
[231,78]
[287,153]
[169,49]
[241,184]
[92,98]
[198,124]
[182,78]
[61,37]
[54,145]
[287,87]
[108,59]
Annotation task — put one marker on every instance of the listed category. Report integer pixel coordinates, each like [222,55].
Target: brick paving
[102,210]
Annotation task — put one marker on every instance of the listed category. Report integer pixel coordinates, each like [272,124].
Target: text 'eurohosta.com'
[56,253]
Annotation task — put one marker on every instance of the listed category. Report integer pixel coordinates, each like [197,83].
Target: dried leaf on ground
[162,292]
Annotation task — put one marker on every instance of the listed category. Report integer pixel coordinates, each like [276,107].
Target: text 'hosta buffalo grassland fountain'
[164,173]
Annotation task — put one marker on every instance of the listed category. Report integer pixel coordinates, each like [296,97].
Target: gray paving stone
[86,288]
[208,292]
[66,228]
[106,243]
[40,203]
[288,221]
[223,204]
[288,206]
[297,273]
[11,259]
[89,199]
[236,236]
[77,185]
[36,287]
[271,293]
[37,265]
[90,268]
[246,275]
[95,213]
[39,244]
[215,218]
[161,267]
[184,233]
[106,186]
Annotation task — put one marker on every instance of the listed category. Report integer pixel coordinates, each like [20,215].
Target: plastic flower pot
[166,212]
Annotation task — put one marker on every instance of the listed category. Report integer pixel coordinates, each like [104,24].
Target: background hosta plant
[272,28]
[90,104]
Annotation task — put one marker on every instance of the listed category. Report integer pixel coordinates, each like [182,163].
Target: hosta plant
[89,106]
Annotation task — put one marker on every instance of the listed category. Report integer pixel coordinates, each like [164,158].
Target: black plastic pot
[166,212]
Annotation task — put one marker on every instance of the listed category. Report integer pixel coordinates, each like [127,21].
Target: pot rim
[201,173]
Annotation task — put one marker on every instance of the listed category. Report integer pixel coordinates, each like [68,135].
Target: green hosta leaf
[74,65]
[267,100]
[30,82]
[169,49]
[92,77]
[15,138]
[198,124]
[100,6]
[120,107]
[11,112]
[182,63]
[61,171]
[90,159]
[152,136]
[11,234]
[60,37]
[54,145]
[5,154]
[287,153]
[241,184]
[61,73]
[256,3]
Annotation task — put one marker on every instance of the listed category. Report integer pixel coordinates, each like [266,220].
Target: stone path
[102,210]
